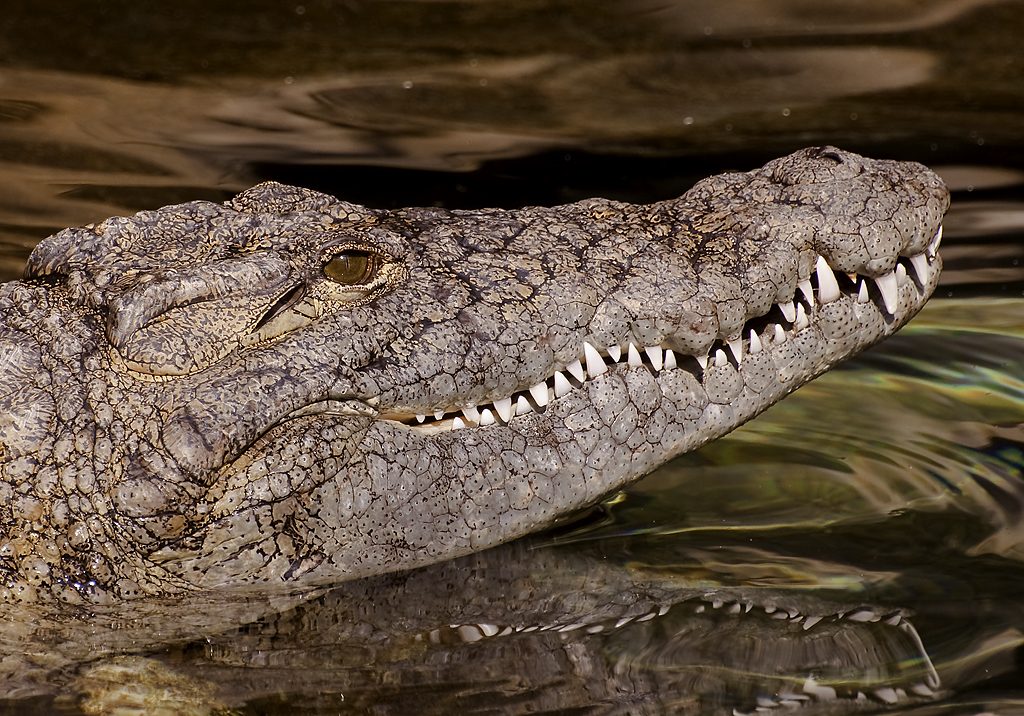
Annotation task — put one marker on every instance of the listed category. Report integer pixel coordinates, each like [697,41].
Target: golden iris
[352,268]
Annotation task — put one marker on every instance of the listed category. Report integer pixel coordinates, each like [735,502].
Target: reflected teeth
[796,313]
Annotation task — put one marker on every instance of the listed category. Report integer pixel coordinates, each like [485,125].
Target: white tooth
[755,342]
[864,615]
[457,423]
[633,356]
[736,348]
[828,287]
[420,418]
[615,352]
[486,417]
[810,621]
[805,288]
[822,693]
[595,363]
[780,335]
[852,276]
[788,311]
[488,629]
[670,360]
[703,360]
[801,318]
[920,266]
[890,292]
[934,245]
[469,634]
[523,406]
[562,385]
[504,408]
[901,272]
[540,394]
[887,694]
[655,355]
[472,414]
[894,620]
[922,690]
[720,358]
[576,369]
[438,414]
[862,293]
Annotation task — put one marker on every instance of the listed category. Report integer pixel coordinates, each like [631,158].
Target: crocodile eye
[352,268]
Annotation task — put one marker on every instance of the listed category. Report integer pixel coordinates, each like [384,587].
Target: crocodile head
[297,390]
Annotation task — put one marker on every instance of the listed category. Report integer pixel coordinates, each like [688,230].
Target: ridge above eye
[352,267]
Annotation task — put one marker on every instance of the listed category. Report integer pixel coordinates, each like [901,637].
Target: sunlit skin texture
[224,396]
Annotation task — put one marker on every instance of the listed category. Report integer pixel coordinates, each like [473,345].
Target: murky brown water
[895,481]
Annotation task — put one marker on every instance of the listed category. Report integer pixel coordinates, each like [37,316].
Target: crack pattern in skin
[289,391]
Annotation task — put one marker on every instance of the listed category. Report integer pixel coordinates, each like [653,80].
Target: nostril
[826,153]
[815,165]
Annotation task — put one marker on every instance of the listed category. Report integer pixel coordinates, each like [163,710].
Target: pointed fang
[801,318]
[736,348]
[504,408]
[890,291]
[457,423]
[828,287]
[486,417]
[670,360]
[720,358]
[540,394]
[806,289]
[576,370]
[615,353]
[788,311]
[523,406]
[755,342]
[633,356]
[562,385]
[595,363]
[862,293]
[656,356]
[921,267]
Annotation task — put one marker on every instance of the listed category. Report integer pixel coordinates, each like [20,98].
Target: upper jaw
[894,296]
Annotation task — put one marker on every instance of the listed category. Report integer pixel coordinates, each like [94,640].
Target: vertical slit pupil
[352,267]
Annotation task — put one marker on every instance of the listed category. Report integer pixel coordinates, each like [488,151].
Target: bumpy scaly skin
[190,401]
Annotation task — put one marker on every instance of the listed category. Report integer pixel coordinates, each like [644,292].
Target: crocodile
[287,390]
